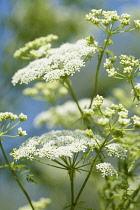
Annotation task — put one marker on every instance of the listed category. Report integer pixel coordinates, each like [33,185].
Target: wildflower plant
[95,130]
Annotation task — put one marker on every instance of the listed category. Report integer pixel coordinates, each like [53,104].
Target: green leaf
[109,52]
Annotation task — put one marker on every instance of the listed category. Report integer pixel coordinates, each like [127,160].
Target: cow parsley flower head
[58,63]
[106,169]
[116,150]
[55,144]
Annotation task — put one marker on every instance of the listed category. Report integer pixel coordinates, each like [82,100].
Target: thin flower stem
[49,164]
[98,68]
[88,175]
[12,127]
[15,176]
[73,95]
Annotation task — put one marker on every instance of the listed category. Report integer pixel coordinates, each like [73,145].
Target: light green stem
[73,95]
[15,175]
[98,68]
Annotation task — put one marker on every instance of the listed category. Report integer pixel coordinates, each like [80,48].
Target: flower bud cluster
[6,123]
[137,23]
[97,102]
[8,116]
[106,169]
[136,121]
[11,116]
[136,90]
[129,66]
[125,19]
[21,132]
[46,91]
[28,50]
[128,61]
[88,112]
[107,18]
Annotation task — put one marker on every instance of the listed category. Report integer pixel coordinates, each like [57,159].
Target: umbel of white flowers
[65,143]
[58,63]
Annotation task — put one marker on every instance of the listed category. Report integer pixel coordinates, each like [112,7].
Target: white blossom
[137,23]
[116,150]
[111,72]
[22,117]
[7,116]
[21,132]
[136,121]
[106,169]
[97,102]
[55,144]
[59,62]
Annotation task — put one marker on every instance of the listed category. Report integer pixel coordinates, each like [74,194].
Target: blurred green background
[22,21]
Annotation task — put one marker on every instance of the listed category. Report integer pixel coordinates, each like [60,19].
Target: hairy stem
[15,175]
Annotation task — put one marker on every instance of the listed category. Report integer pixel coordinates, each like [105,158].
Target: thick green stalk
[98,68]
[15,175]
[71,175]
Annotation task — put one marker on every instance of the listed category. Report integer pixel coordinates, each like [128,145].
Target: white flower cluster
[102,17]
[97,102]
[105,18]
[137,90]
[7,116]
[136,121]
[38,205]
[59,62]
[21,132]
[55,144]
[137,23]
[116,150]
[106,169]
[42,44]
[111,72]
[103,121]
[129,63]
[11,116]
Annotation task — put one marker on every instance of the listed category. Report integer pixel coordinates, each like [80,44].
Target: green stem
[135,193]
[135,93]
[73,95]
[98,68]
[15,175]
[71,175]
[90,171]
